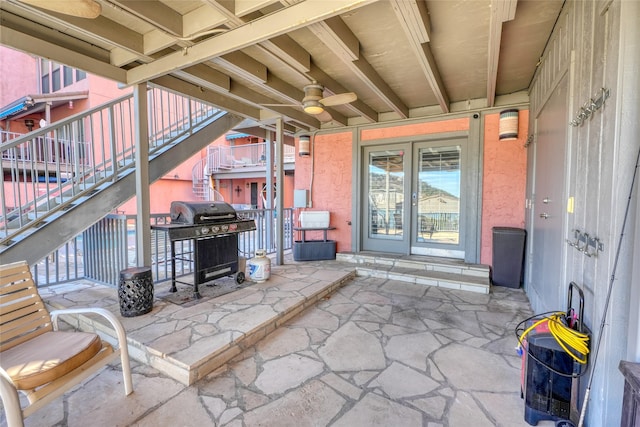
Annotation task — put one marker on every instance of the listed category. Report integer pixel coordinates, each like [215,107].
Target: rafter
[216,99]
[206,77]
[282,47]
[415,19]
[102,29]
[194,23]
[501,11]
[275,24]
[155,13]
[330,32]
[45,49]
[334,87]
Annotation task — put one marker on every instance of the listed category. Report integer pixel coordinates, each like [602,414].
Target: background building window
[67,76]
[55,78]
[44,76]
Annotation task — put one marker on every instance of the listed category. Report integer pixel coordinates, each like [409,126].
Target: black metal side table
[135,291]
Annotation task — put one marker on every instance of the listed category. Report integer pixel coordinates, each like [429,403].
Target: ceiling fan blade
[80,8]
[339,99]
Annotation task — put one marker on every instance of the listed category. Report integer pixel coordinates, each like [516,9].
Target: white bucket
[259,267]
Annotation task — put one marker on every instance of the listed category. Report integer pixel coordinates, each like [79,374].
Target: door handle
[544,215]
[546,200]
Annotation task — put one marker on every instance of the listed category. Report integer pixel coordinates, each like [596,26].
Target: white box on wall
[314,219]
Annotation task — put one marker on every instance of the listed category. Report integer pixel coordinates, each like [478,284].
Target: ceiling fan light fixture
[313,107]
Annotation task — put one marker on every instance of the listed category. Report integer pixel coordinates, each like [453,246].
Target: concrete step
[170,337]
[430,271]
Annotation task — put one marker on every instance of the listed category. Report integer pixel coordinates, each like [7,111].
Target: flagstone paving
[377,352]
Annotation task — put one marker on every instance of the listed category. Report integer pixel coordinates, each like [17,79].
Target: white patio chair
[39,360]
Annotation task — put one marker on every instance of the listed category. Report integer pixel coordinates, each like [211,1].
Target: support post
[279,192]
[143,205]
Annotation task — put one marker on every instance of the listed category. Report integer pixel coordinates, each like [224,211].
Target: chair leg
[11,402]
[126,369]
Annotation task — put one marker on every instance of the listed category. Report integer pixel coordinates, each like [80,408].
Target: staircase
[422,270]
[59,180]
[201,181]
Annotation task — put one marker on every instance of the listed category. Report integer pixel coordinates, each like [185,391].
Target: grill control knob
[225,227]
[215,229]
[204,230]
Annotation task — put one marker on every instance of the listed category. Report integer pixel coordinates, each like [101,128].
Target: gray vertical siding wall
[598,43]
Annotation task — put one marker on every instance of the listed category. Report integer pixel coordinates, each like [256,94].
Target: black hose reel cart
[554,348]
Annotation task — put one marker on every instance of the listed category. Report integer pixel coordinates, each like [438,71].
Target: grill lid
[192,213]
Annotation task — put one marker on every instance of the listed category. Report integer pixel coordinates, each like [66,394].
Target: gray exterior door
[549,203]
[413,197]
[386,185]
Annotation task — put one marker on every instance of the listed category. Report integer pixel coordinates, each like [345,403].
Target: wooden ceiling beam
[206,77]
[35,46]
[414,18]
[155,13]
[334,87]
[269,26]
[103,29]
[501,11]
[244,66]
[224,102]
[339,38]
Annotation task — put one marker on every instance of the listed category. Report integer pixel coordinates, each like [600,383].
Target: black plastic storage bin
[314,250]
[508,256]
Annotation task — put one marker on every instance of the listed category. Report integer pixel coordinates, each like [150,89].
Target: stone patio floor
[377,352]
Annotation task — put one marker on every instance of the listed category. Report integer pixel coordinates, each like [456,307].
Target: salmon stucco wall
[425,128]
[19,75]
[331,189]
[503,181]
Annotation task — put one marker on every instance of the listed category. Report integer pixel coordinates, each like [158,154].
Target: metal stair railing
[50,169]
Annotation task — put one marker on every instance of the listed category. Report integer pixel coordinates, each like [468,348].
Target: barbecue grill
[213,227]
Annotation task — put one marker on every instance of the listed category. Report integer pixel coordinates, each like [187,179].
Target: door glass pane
[386,194]
[439,195]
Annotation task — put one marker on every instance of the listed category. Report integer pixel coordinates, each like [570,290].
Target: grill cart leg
[173,267]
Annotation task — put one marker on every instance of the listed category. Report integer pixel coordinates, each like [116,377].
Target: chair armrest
[115,322]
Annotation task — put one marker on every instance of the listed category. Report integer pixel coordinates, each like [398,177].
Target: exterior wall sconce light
[238,190]
[508,129]
[29,124]
[304,146]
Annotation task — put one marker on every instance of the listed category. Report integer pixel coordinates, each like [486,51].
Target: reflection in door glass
[386,194]
[439,195]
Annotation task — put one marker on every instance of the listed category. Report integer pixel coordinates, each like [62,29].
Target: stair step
[258,317]
[429,271]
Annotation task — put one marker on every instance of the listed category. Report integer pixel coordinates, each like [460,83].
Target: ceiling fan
[80,8]
[313,102]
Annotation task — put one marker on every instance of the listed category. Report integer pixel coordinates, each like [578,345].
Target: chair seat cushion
[48,356]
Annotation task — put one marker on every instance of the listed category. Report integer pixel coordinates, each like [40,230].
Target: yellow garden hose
[573,342]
